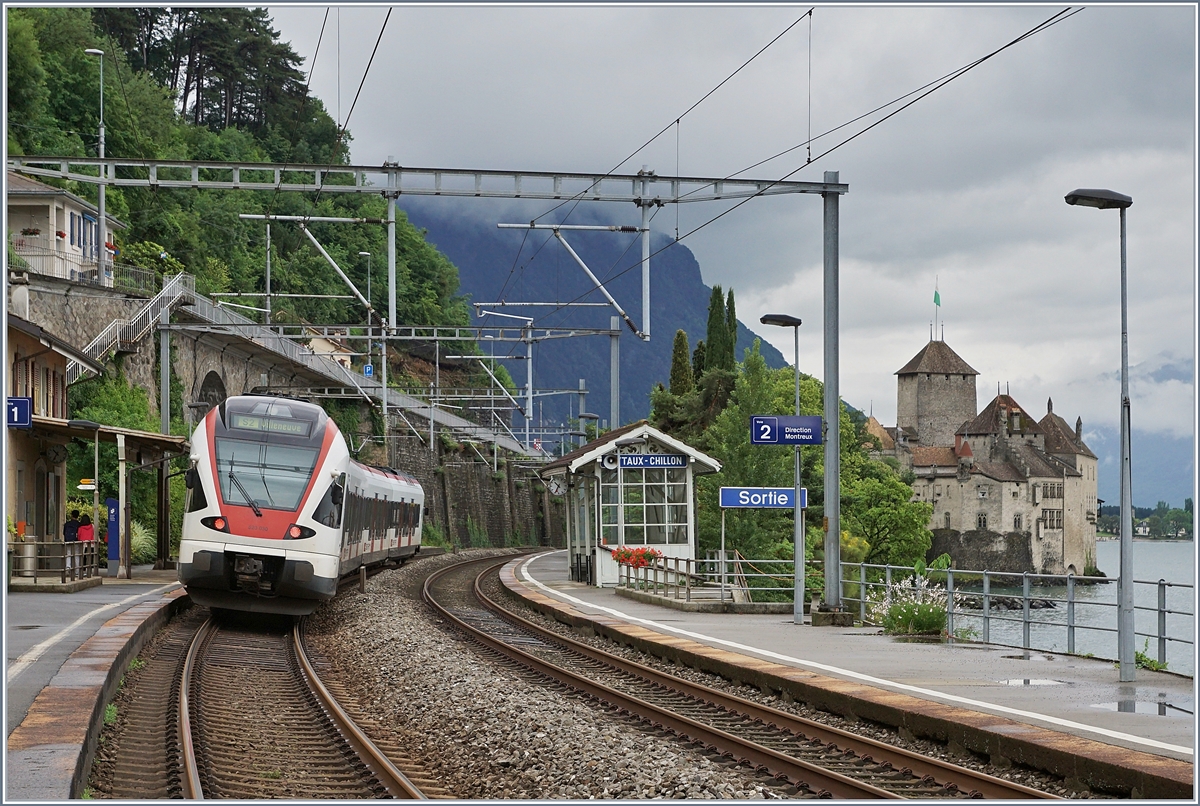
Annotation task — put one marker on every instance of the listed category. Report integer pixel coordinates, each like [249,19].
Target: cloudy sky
[964,188]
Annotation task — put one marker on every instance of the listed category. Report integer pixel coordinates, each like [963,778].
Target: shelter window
[647,506]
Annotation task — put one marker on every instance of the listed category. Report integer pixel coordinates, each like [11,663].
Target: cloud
[964,188]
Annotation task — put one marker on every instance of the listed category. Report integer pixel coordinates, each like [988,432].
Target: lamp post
[1106,200]
[91,426]
[783,320]
[102,252]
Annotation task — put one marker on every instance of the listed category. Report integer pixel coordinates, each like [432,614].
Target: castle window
[938,491]
[981,522]
[1053,518]
[1016,523]
[946,519]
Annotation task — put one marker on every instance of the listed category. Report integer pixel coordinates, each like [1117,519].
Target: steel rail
[190,778]
[397,783]
[821,781]
[988,786]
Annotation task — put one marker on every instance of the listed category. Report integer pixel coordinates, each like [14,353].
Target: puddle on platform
[919,639]
[1142,707]
[1029,682]
[1028,656]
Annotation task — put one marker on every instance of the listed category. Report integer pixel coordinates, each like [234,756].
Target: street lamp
[1106,200]
[783,320]
[91,426]
[102,252]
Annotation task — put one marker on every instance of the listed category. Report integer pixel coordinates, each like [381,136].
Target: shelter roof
[576,459]
[49,340]
[134,439]
[936,358]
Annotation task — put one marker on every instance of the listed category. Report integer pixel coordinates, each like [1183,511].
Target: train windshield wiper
[246,495]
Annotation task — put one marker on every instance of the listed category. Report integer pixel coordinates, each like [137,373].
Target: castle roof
[1060,437]
[886,442]
[994,419]
[934,457]
[998,471]
[936,358]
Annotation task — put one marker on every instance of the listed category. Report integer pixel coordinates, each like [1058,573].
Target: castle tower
[935,394]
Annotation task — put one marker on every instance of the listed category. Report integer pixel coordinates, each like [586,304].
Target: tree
[699,356]
[682,381]
[877,507]
[717,351]
[731,323]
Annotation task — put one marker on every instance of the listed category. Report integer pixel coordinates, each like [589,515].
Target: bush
[433,536]
[913,606]
[143,544]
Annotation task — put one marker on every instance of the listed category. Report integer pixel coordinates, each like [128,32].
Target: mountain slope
[507,264]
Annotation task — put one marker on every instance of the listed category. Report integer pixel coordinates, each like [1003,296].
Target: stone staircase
[123,335]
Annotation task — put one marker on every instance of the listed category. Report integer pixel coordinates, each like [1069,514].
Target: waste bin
[26,559]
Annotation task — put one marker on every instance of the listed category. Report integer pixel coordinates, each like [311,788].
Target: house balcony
[34,254]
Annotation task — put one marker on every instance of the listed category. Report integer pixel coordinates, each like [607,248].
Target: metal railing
[731,577]
[971,596]
[54,560]
[39,259]
[178,289]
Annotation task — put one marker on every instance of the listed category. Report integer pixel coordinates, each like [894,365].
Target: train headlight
[218,523]
[298,532]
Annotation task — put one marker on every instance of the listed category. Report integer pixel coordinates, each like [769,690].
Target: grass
[1143,660]
[110,714]
[136,664]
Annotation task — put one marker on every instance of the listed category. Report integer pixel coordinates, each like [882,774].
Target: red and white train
[277,511]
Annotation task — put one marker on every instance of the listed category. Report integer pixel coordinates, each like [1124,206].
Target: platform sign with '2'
[782,429]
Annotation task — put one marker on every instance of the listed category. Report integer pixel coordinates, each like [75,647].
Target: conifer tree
[732,323]
[699,356]
[717,350]
[681,367]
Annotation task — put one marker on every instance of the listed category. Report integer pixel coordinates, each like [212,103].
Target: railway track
[255,721]
[820,761]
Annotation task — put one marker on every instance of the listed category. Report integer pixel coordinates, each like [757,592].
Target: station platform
[65,655]
[1063,714]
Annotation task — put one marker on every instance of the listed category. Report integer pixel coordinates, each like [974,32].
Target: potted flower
[639,557]
[31,231]
[60,234]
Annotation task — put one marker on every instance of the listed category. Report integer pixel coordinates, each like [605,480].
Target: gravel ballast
[484,731]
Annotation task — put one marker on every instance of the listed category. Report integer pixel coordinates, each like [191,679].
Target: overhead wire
[574,200]
[933,86]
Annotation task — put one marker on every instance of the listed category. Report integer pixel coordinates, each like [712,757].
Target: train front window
[259,474]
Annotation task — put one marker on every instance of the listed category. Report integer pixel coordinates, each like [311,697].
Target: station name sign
[762,498]
[636,461]
[778,429]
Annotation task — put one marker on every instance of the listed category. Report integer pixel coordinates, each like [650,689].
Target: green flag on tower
[937,298]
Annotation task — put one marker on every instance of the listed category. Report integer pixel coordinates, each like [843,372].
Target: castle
[1009,493]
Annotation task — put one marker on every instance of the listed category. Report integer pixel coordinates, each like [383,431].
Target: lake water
[1096,607]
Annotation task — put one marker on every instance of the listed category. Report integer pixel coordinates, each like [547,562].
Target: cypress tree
[681,367]
[698,359]
[715,354]
[732,323]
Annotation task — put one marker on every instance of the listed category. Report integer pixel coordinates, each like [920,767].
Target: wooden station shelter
[634,486]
